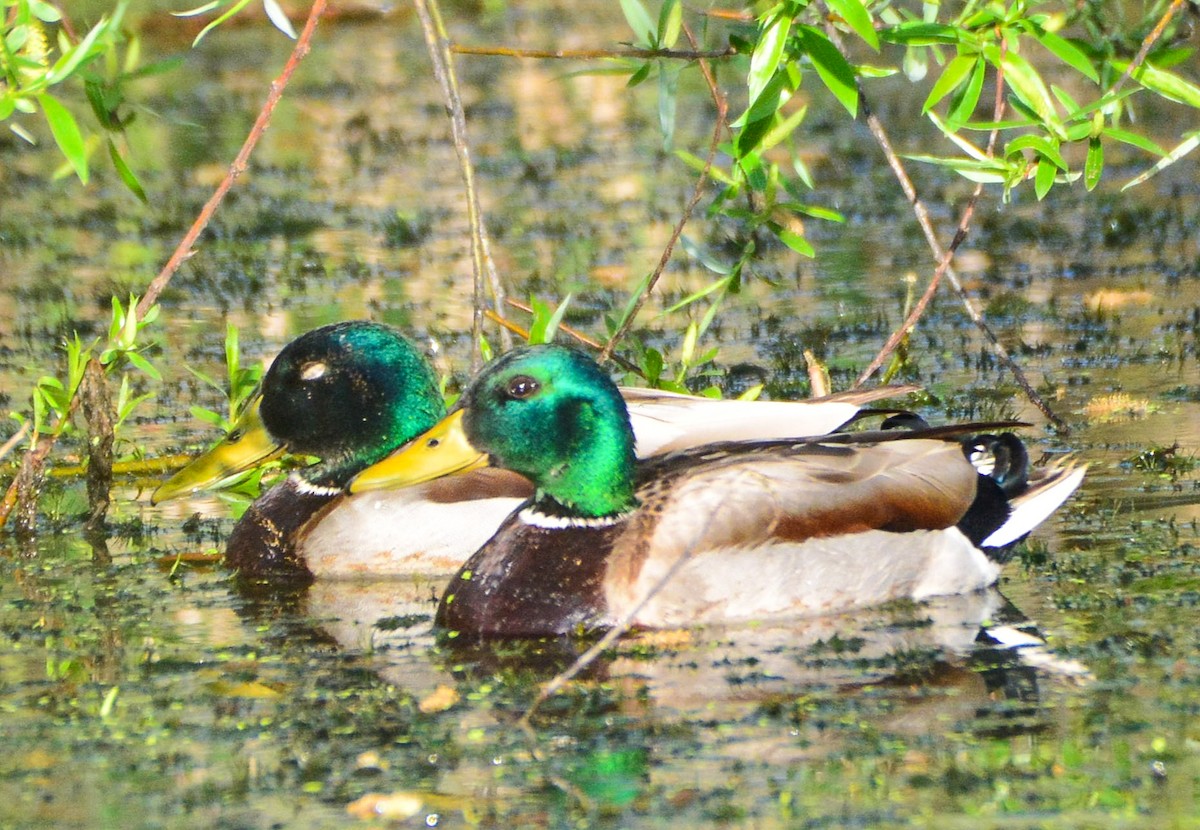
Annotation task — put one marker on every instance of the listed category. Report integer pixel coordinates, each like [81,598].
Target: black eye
[521,387]
[234,436]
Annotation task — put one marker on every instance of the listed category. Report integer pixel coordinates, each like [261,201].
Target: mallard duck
[349,394]
[724,532]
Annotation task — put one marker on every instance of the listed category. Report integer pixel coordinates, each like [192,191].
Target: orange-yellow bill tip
[248,445]
[441,451]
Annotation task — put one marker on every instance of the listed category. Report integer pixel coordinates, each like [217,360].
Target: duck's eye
[313,370]
[234,436]
[521,387]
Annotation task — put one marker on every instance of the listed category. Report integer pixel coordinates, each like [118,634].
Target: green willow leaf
[1044,178]
[1094,165]
[1190,143]
[987,172]
[1044,147]
[82,51]
[1166,84]
[1134,140]
[794,241]
[831,67]
[225,15]
[668,89]
[1068,53]
[670,23]
[857,18]
[639,20]
[922,34]
[1029,87]
[126,173]
[66,134]
[952,76]
[767,54]
[964,106]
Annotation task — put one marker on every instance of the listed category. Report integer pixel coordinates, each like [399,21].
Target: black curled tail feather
[1003,465]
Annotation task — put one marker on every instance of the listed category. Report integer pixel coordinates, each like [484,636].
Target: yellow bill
[246,446]
[442,450]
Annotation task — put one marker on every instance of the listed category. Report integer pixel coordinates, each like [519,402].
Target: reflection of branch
[184,249]
[592,54]
[697,192]
[438,45]
[944,255]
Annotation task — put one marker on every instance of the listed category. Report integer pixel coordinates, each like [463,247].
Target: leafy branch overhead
[1050,137]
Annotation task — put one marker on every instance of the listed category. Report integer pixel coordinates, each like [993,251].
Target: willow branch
[943,255]
[944,263]
[592,54]
[574,333]
[184,250]
[697,193]
[438,45]
[24,486]
[1148,43]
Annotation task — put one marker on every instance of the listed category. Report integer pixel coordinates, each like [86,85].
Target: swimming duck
[349,394]
[724,532]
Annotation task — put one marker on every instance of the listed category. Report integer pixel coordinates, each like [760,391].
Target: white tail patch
[1032,508]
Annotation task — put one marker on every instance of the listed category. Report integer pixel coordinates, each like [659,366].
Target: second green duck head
[347,393]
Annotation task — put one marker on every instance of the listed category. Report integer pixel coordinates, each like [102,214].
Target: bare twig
[592,54]
[948,256]
[16,438]
[438,45]
[697,193]
[184,250]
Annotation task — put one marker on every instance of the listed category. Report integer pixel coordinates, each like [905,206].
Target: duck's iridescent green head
[547,412]
[348,393]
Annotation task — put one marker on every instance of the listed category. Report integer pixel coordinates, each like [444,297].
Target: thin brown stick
[14,439]
[591,54]
[184,250]
[438,45]
[697,193]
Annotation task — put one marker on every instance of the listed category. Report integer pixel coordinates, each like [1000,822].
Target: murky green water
[136,693]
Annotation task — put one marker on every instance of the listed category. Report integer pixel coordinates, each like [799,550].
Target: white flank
[818,576]
[398,532]
[1032,508]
